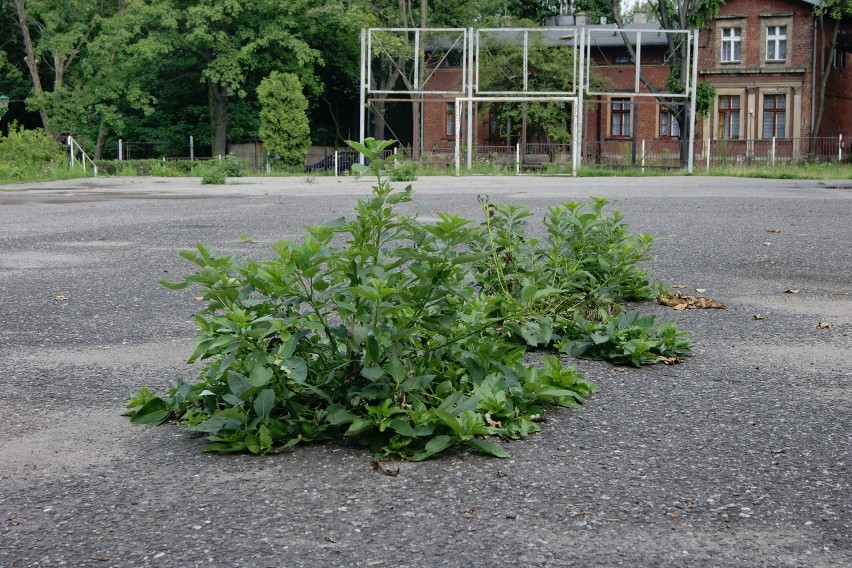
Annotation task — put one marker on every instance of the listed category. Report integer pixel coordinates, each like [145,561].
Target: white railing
[73,150]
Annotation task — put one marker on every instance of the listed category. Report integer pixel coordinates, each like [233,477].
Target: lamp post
[4,105]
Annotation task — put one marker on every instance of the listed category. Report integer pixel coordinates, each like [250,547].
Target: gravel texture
[740,456]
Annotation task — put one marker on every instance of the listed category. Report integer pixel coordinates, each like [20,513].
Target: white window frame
[733,43]
[673,125]
[729,112]
[776,39]
[786,112]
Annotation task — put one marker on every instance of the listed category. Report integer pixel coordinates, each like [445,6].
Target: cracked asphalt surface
[740,456]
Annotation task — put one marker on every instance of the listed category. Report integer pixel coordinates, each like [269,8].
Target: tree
[284,126]
[54,33]
[829,14]
[546,72]
[231,40]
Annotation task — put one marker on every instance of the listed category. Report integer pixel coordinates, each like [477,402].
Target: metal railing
[75,150]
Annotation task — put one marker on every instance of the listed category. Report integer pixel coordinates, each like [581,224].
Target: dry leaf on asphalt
[767,244]
[776,231]
[668,360]
[791,291]
[758,316]
[679,286]
[823,325]
[61,298]
[389,469]
[678,301]
[701,290]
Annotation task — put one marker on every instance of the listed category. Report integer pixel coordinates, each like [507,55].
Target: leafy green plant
[628,338]
[388,339]
[568,285]
[213,174]
[403,171]
[29,154]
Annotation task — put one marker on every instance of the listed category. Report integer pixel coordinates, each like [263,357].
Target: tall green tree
[54,34]
[284,126]
[232,40]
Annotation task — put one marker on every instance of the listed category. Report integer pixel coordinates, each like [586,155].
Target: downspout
[813,81]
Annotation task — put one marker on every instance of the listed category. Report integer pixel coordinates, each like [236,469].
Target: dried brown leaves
[678,301]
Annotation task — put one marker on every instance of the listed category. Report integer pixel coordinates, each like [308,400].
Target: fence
[666,153]
[556,158]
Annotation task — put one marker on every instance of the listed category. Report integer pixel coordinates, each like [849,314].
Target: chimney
[640,17]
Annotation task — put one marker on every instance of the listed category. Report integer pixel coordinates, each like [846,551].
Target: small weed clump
[403,171]
[410,337]
[216,172]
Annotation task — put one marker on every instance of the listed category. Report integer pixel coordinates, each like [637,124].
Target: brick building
[761,56]
[837,114]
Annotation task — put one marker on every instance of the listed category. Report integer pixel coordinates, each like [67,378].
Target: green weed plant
[400,334]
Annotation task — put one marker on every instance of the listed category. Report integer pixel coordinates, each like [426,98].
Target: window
[451,119]
[620,119]
[774,116]
[776,43]
[732,41]
[496,128]
[729,117]
[839,58]
[669,128]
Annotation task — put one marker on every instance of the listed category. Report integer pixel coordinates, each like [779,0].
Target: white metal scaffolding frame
[579,38]
[575,148]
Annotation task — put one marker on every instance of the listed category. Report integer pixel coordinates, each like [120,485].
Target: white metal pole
[773,152]
[707,151]
[458,141]
[638,62]
[574,138]
[643,155]
[70,153]
[119,149]
[577,157]
[840,149]
[362,106]
[336,163]
[692,97]
[469,102]
[191,149]
[517,159]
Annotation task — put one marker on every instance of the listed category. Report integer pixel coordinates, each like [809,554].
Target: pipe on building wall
[813,81]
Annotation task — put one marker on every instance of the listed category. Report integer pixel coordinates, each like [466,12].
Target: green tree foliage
[550,69]
[284,126]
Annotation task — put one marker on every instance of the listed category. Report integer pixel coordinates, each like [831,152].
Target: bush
[213,174]
[403,171]
[29,154]
[401,338]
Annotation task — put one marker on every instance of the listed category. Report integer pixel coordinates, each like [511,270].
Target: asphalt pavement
[739,456]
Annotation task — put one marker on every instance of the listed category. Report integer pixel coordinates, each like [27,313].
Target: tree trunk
[31,61]
[99,145]
[218,98]
[823,80]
